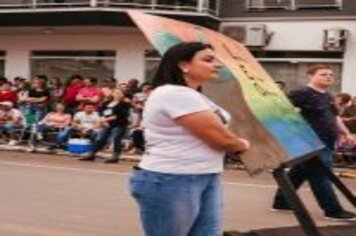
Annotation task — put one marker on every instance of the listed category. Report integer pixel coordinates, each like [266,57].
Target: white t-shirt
[170,148]
[88,121]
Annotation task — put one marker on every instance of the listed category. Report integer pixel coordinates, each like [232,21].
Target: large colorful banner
[261,112]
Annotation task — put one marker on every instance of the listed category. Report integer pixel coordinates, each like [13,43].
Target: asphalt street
[49,195]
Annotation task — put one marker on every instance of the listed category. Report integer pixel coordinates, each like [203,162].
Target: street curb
[124,156]
[348,174]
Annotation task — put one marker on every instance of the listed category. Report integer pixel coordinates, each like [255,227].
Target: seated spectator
[11,120]
[54,121]
[89,93]
[7,94]
[85,122]
[114,123]
[70,93]
[38,98]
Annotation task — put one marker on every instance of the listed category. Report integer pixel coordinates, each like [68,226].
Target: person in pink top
[89,93]
[71,91]
[53,121]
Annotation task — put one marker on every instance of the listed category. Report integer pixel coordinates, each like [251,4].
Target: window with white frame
[268,4]
[291,66]
[310,4]
[63,64]
[293,72]
[261,5]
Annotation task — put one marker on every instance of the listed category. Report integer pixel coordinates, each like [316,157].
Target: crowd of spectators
[346,105]
[103,112]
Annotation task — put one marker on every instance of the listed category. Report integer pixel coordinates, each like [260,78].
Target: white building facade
[118,54]
[93,38]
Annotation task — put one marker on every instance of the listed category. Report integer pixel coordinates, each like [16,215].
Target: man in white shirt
[11,120]
[85,122]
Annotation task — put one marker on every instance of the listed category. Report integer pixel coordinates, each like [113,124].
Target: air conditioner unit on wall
[256,35]
[249,35]
[335,39]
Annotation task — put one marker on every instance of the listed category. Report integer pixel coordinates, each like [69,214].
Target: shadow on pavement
[340,230]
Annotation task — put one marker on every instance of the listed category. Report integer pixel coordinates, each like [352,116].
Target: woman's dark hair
[168,70]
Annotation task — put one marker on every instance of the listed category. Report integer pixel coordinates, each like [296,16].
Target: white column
[293,6]
[348,84]
[17,63]
[130,63]
[93,3]
[201,5]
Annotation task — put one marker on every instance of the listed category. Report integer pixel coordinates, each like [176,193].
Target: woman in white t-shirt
[177,184]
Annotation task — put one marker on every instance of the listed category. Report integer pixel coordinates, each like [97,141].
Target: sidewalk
[60,152]
[342,172]
[345,230]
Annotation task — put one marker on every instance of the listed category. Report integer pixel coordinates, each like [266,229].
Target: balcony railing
[292,4]
[200,6]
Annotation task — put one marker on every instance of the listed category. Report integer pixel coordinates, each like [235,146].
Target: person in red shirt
[71,91]
[7,94]
[89,93]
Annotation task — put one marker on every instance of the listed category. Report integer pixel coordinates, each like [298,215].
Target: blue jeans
[116,132]
[63,136]
[319,183]
[178,205]
[10,128]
